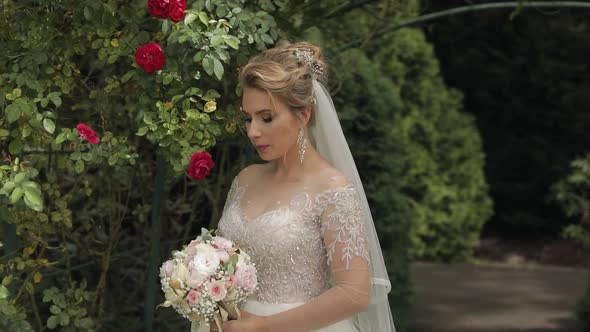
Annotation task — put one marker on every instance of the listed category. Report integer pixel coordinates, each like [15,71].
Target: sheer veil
[329,140]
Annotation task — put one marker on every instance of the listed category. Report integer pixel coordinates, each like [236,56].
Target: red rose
[176,12]
[159,8]
[200,165]
[87,133]
[150,57]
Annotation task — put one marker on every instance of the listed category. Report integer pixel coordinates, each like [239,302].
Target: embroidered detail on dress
[342,214]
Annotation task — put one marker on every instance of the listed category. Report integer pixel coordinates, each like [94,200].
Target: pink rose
[223,244]
[193,297]
[246,277]
[230,281]
[200,165]
[217,290]
[176,10]
[87,133]
[191,248]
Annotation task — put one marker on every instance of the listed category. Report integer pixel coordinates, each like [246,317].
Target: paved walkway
[495,298]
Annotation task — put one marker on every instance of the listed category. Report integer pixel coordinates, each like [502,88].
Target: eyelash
[267,120]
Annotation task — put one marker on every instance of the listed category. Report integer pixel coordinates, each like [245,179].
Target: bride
[303,216]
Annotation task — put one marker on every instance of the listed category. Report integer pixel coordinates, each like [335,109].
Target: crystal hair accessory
[306,56]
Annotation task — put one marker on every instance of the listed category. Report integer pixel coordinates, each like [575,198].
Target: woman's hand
[247,323]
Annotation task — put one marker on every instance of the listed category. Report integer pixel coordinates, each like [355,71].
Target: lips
[261,148]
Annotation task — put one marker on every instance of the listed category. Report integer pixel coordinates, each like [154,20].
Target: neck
[290,168]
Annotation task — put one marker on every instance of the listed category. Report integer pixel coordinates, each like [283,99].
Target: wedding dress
[286,243]
[313,241]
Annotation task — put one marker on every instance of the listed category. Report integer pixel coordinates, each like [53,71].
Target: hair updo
[287,71]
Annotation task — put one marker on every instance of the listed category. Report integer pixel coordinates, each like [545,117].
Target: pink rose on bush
[87,133]
[193,297]
[200,165]
[176,10]
[217,290]
[150,57]
[246,277]
[159,8]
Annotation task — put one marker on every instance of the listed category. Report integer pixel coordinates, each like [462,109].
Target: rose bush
[91,93]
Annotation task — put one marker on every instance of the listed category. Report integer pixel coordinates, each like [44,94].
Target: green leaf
[112,160]
[13,112]
[52,322]
[20,177]
[142,131]
[60,138]
[17,93]
[17,193]
[3,292]
[204,18]
[267,39]
[33,198]
[190,18]
[16,146]
[233,42]
[4,133]
[208,65]
[87,13]
[218,68]
[79,166]
[216,41]
[55,309]
[165,26]
[148,118]
[56,101]
[44,102]
[49,125]
[167,79]
[8,186]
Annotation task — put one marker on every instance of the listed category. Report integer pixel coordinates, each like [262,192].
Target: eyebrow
[259,111]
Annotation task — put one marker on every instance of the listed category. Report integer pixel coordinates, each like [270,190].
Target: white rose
[179,272]
[206,262]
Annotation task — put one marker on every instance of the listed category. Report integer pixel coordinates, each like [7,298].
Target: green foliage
[523,81]
[368,110]
[69,308]
[78,208]
[573,195]
[441,152]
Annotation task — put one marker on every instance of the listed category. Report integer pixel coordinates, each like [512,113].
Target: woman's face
[272,127]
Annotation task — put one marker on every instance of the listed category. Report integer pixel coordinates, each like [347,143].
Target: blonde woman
[302,215]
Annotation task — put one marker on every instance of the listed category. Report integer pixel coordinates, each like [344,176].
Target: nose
[253,131]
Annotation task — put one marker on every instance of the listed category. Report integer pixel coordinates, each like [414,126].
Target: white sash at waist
[267,309]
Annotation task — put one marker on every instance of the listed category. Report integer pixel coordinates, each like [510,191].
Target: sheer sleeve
[346,247]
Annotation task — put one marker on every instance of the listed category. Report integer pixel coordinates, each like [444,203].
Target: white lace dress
[299,246]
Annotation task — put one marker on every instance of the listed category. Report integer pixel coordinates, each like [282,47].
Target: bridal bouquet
[207,280]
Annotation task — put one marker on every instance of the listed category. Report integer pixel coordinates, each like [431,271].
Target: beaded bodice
[287,243]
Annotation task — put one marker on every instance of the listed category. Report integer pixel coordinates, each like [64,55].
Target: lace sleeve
[342,226]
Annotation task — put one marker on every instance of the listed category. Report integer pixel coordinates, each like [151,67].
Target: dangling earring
[302,144]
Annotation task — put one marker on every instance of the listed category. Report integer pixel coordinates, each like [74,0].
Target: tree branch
[472,8]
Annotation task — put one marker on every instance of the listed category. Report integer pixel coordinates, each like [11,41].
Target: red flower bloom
[159,8]
[176,10]
[200,165]
[87,133]
[150,57]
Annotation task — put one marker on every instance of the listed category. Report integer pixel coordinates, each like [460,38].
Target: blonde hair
[280,72]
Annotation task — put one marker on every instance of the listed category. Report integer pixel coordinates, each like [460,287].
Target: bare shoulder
[251,173]
[330,178]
